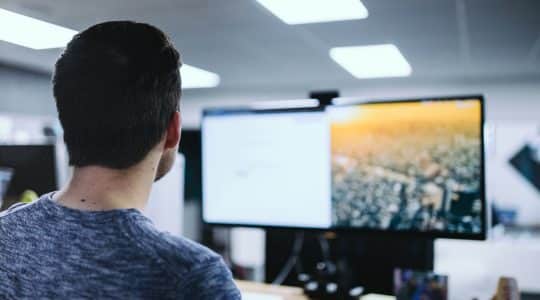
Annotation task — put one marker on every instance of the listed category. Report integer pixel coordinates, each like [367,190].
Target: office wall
[25,92]
[506,100]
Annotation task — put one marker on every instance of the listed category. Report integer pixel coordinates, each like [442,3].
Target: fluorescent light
[280,104]
[375,61]
[36,34]
[315,11]
[193,77]
[32,33]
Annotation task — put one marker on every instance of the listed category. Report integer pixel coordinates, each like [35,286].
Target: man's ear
[173,131]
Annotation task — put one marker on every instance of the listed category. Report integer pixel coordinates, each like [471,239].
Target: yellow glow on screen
[355,123]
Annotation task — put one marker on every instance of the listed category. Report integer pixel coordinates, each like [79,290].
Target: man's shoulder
[187,252]
[201,272]
[178,253]
[15,210]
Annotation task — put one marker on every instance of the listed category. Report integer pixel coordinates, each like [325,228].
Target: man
[117,91]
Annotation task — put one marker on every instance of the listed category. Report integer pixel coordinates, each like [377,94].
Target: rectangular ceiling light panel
[315,11]
[374,61]
[193,77]
[36,34]
[32,33]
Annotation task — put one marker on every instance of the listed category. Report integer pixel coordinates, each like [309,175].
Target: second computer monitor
[408,166]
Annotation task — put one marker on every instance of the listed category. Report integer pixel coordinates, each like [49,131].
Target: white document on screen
[271,169]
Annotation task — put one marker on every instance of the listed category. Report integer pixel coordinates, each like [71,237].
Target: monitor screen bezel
[432,234]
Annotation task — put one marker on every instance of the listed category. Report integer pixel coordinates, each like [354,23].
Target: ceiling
[250,48]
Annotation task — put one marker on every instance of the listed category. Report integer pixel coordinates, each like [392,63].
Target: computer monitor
[33,168]
[5,179]
[413,166]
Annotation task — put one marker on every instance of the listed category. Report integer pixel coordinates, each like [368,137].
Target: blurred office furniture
[474,267]
[166,203]
[18,129]
[24,134]
[247,252]
[507,289]
[5,178]
[35,168]
[190,148]
[192,226]
[63,169]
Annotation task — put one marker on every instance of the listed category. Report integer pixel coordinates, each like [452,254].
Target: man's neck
[96,188]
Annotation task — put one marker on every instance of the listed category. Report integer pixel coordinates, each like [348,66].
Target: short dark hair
[116,86]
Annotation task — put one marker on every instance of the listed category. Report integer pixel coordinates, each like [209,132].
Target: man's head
[117,91]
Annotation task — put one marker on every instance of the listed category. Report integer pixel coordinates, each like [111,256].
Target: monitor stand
[366,260]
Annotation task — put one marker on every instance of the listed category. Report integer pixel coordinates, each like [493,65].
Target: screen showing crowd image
[403,166]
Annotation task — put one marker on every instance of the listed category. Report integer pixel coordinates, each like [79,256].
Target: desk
[261,291]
